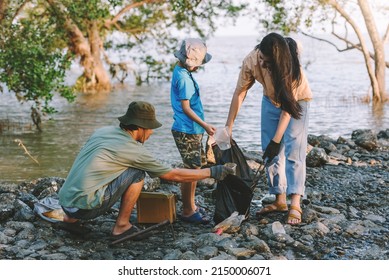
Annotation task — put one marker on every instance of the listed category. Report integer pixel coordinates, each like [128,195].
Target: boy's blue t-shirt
[184,87]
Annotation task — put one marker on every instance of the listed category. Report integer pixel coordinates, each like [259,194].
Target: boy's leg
[193,156]
[188,190]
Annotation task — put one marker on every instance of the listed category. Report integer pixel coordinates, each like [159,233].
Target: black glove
[271,151]
[219,172]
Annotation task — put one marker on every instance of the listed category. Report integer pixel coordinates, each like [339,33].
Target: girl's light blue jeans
[287,172]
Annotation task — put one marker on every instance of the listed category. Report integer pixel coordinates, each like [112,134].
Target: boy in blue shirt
[189,125]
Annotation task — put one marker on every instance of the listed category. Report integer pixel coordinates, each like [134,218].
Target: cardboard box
[153,207]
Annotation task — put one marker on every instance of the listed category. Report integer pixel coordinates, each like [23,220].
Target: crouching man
[112,165]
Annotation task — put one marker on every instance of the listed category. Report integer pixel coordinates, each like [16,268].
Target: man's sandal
[292,216]
[275,207]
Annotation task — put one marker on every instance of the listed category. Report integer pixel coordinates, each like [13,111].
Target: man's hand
[219,172]
[272,150]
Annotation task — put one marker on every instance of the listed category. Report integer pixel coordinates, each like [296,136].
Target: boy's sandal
[201,211]
[275,207]
[292,216]
[196,218]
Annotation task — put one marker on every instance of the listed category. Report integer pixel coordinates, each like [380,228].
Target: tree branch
[20,143]
[4,6]
[364,48]
[20,9]
[79,43]
[350,45]
[386,36]
[114,20]
[328,42]
[355,46]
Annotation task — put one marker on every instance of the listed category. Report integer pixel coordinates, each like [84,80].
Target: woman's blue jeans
[287,172]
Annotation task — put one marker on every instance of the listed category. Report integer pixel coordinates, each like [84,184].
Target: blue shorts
[112,194]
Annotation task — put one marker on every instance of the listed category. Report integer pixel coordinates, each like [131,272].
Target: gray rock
[226,244]
[248,229]
[7,208]
[375,218]
[23,211]
[173,255]
[189,255]
[223,256]
[185,244]
[256,244]
[326,210]
[317,157]
[277,228]
[56,256]
[316,229]
[241,253]
[365,138]
[205,253]
[4,239]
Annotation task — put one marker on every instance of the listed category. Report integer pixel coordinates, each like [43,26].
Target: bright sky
[248,26]
[244,27]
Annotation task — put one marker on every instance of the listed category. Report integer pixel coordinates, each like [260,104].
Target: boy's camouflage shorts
[191,149]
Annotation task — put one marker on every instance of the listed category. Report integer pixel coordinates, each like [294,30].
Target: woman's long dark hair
[296,71]
[285,70]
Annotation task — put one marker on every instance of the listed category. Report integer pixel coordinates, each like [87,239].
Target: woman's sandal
[275,207]
[292,216]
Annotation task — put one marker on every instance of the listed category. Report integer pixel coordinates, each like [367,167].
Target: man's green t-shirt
[107,153]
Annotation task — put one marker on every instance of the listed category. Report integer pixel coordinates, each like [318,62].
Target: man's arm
[186,175]
[218,172]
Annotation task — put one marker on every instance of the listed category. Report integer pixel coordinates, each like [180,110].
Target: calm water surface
[338,80]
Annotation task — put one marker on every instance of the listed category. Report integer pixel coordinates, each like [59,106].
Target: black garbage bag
[235,192]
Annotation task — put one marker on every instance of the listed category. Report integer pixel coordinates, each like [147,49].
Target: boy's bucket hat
[141,114]
[193,52]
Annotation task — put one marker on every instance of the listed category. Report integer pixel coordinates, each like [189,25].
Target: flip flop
[132,231]
[136,234]
[275,207]
[196,218]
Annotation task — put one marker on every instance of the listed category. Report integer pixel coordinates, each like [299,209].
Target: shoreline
[345,216]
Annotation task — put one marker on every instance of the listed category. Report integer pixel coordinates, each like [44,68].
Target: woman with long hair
[275,64]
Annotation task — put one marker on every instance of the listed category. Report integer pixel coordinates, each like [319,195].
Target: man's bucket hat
[141,114]
[193,52]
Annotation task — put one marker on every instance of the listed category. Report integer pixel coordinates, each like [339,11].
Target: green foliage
[30,67]
[291,16]
[280,16]
[38,44]
[88,10]
[152,35]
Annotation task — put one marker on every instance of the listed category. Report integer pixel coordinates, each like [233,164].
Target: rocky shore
[345,216]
